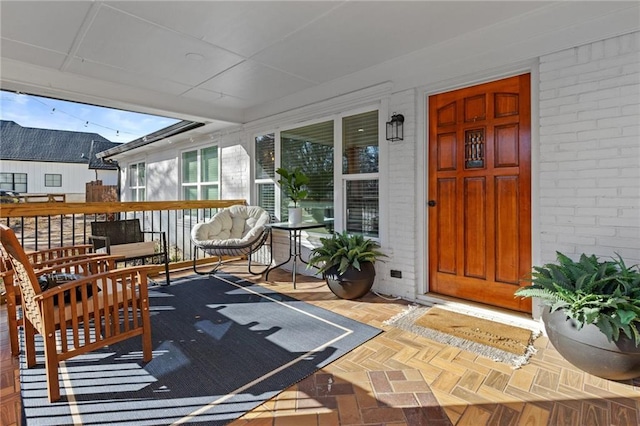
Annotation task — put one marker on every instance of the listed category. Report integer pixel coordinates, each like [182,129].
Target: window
[137,182]
[200,174]
[312,149]
[265,172]
[349,158]
[360,172]
[13,181]
[52,179]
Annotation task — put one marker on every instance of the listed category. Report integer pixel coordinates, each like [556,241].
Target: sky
[46,113]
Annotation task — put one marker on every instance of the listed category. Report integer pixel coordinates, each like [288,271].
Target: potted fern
[592,312]
[346,262]
[293,183]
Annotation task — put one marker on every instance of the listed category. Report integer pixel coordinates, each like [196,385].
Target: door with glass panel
[479,204]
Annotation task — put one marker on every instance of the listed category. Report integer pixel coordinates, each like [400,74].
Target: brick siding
[590,150]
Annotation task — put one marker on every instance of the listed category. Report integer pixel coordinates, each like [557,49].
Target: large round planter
[589,350]
[353,284]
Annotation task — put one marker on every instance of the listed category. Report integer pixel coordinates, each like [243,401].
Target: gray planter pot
[353,284]
[589,350]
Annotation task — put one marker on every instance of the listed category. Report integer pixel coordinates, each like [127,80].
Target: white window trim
[264,181]
[52,174]
[199,184]
[129,187]
[339,179]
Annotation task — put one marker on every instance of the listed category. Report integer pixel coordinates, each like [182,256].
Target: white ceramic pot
[295,215]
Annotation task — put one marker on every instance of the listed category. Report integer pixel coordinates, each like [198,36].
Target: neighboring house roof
[59,146]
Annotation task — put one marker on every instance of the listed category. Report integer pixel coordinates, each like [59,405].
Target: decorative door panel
[479,192]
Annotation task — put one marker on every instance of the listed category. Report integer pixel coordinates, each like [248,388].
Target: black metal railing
[43,225]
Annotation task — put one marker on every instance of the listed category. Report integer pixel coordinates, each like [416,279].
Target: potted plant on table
[591,313]
[293,183]
[346,261]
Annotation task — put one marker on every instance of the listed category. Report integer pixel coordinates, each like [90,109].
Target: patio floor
[399,378]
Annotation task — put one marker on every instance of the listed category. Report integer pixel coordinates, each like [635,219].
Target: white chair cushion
[233,226]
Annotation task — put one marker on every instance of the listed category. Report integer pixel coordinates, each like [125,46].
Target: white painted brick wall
[400,200]
[235,167]
[590,150]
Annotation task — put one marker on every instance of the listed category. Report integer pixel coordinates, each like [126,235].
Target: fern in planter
[604,293]
[344,250]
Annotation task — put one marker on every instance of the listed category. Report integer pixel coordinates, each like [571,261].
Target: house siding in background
[66,158]
[73,177]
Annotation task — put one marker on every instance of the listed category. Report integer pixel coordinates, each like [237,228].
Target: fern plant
[344,250]
[590,291]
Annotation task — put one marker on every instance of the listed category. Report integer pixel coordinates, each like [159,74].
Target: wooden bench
[125,238]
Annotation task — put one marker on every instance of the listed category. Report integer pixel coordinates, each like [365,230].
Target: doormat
[497,341]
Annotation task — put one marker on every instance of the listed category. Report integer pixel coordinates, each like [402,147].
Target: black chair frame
[106,234]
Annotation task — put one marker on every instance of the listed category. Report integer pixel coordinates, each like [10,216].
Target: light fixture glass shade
[395,131]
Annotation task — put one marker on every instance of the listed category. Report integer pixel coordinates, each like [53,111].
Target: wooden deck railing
[45,225]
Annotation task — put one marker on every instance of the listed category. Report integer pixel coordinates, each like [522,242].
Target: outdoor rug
[221,347]
[498,341]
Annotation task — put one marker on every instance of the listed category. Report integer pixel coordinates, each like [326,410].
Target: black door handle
[431,203]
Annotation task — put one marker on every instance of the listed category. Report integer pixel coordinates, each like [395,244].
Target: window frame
[339,178]
[199,184]
[134,191]
[266,181]
[14,182]
[49,184]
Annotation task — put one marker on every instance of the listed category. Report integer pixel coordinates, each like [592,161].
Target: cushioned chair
[81,315]
[125,238]
[233,231]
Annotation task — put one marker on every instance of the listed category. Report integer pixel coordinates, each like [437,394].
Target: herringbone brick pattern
[399,378]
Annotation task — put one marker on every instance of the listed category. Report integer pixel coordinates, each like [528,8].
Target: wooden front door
[480,192]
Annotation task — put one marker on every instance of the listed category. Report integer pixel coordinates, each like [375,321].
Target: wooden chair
[125,238]
[103,308]
[40,260]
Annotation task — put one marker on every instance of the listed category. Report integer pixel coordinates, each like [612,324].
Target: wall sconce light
[395,130]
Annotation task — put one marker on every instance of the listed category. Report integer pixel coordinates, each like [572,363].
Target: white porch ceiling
[224,62]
